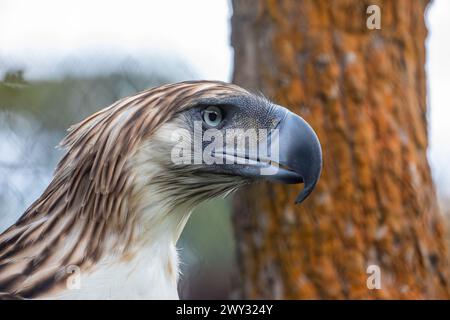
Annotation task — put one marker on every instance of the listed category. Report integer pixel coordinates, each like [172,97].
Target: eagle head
[131,175]
[219,137]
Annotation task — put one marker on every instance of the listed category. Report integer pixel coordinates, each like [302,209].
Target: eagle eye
[212,116]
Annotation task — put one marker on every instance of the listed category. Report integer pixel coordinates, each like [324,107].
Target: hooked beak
[300,154]
[295,156]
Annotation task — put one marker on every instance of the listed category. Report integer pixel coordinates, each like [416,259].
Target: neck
[136,259]
[146,265]
[122,239]
[147,270]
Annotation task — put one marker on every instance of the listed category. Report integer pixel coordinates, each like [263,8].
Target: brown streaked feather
[85,211]
[8,296]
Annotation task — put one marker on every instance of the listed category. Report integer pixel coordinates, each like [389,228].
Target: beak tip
[307,189]
[300,198]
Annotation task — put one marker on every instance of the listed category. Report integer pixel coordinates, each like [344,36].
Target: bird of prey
[106,227]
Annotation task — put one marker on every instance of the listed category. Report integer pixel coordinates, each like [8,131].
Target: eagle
[107,225]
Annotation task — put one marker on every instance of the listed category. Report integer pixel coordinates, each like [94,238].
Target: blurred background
[62,60]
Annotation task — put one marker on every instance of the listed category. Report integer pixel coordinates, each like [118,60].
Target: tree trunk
[364,92]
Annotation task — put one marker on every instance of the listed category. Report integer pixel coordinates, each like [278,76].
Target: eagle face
[130,177]
[218,144]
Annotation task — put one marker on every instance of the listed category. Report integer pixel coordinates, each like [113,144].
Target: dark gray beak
[300,154]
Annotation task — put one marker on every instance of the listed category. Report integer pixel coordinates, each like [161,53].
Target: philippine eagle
[118,202]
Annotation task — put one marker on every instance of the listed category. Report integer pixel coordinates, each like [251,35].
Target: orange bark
[364,92]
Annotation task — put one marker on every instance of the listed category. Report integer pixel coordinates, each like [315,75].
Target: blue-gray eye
[212,116]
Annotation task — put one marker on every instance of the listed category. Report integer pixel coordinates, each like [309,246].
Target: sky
[40,35]
[37,34]
[438,74]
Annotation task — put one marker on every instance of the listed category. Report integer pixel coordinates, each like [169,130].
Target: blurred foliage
[72,98]
[207,250]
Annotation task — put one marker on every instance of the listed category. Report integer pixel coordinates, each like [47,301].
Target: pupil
[212,116]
